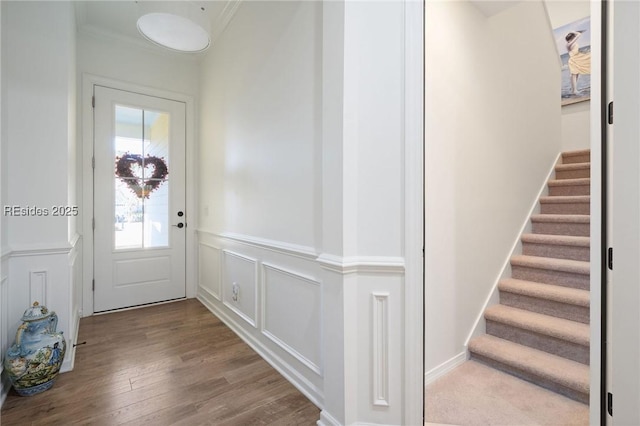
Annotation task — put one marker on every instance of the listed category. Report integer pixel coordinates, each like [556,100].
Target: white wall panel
[209,269]
[240,272]
[291,314]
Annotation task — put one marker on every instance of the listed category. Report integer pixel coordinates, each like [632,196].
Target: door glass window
[141,178]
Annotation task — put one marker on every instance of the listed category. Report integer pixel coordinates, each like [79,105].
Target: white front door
[139,199]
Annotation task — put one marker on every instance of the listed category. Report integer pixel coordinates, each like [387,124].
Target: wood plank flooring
[167,364]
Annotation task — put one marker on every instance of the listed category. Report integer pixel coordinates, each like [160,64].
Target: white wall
[575,117]
[260,125]
[38,136]
[492,134]
[260,183]
[302,197]
[127,62]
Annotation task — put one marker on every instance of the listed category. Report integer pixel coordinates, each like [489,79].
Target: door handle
[179,225]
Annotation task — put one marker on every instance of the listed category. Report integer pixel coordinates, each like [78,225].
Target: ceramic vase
[34,360]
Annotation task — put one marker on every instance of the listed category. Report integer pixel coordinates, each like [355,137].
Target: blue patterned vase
[34,360]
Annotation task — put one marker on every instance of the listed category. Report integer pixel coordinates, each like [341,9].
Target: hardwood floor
[167,364]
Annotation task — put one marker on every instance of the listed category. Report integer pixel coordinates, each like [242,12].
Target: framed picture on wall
[573,41]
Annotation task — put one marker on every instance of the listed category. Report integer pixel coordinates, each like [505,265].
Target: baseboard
[70,358]
[493,297]
[5,387]
[445,367]
[327,419]
[309,390]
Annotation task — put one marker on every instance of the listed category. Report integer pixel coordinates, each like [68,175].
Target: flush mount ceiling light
[176,25]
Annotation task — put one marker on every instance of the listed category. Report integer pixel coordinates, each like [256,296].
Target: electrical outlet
[235,291]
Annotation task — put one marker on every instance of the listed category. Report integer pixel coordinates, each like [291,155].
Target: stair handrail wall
[493,298]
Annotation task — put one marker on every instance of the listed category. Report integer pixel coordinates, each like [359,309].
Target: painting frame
[573,42]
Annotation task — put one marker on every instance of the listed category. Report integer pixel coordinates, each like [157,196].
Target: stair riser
[572,159]
[569,190]
[564,208]
[573,174]
[550,228]
[539,341]
[546,307]
[533,378]
[565,279]
[556,251]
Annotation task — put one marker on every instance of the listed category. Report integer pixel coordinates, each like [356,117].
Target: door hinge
[93,101]
[610,403]
[610,113]
[610,258]
[93,162]
[93,223]
[93,285]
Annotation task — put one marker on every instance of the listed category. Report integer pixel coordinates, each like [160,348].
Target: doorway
[139,199]
[488,93]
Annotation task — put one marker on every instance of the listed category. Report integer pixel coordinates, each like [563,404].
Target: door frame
[85,173]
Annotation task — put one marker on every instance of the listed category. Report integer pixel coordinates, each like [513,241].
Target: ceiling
[117,19]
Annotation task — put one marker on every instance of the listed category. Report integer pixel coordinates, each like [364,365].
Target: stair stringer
[493,298]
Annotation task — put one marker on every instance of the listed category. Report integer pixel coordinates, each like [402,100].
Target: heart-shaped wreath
[124,170]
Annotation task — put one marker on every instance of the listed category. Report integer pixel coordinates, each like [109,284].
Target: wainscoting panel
[38,287]
[380,342]
[239,285]
[209,269]
[291,314]
[278,310]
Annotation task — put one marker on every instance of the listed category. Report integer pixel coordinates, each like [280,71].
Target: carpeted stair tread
[570,182]
[561,218]
[556,293]
[547,325]
[561,265]
[565,199]
[573,166]
[561,240]
[579,156]
[552,368]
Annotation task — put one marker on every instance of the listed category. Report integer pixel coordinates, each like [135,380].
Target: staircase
[540,330]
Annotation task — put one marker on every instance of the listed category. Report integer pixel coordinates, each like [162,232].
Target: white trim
[211,246]
[39,250]
[251,321]
[286,347]
[380,352]
[326,419]
[595,117]
[414,78]
[70,357]
[294,353]
[85,106]
[505,272]
[209,292]
[38,286]
[311,391]
[224,19]
[6,253]
[362,264]
[304,252]
[445,367]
